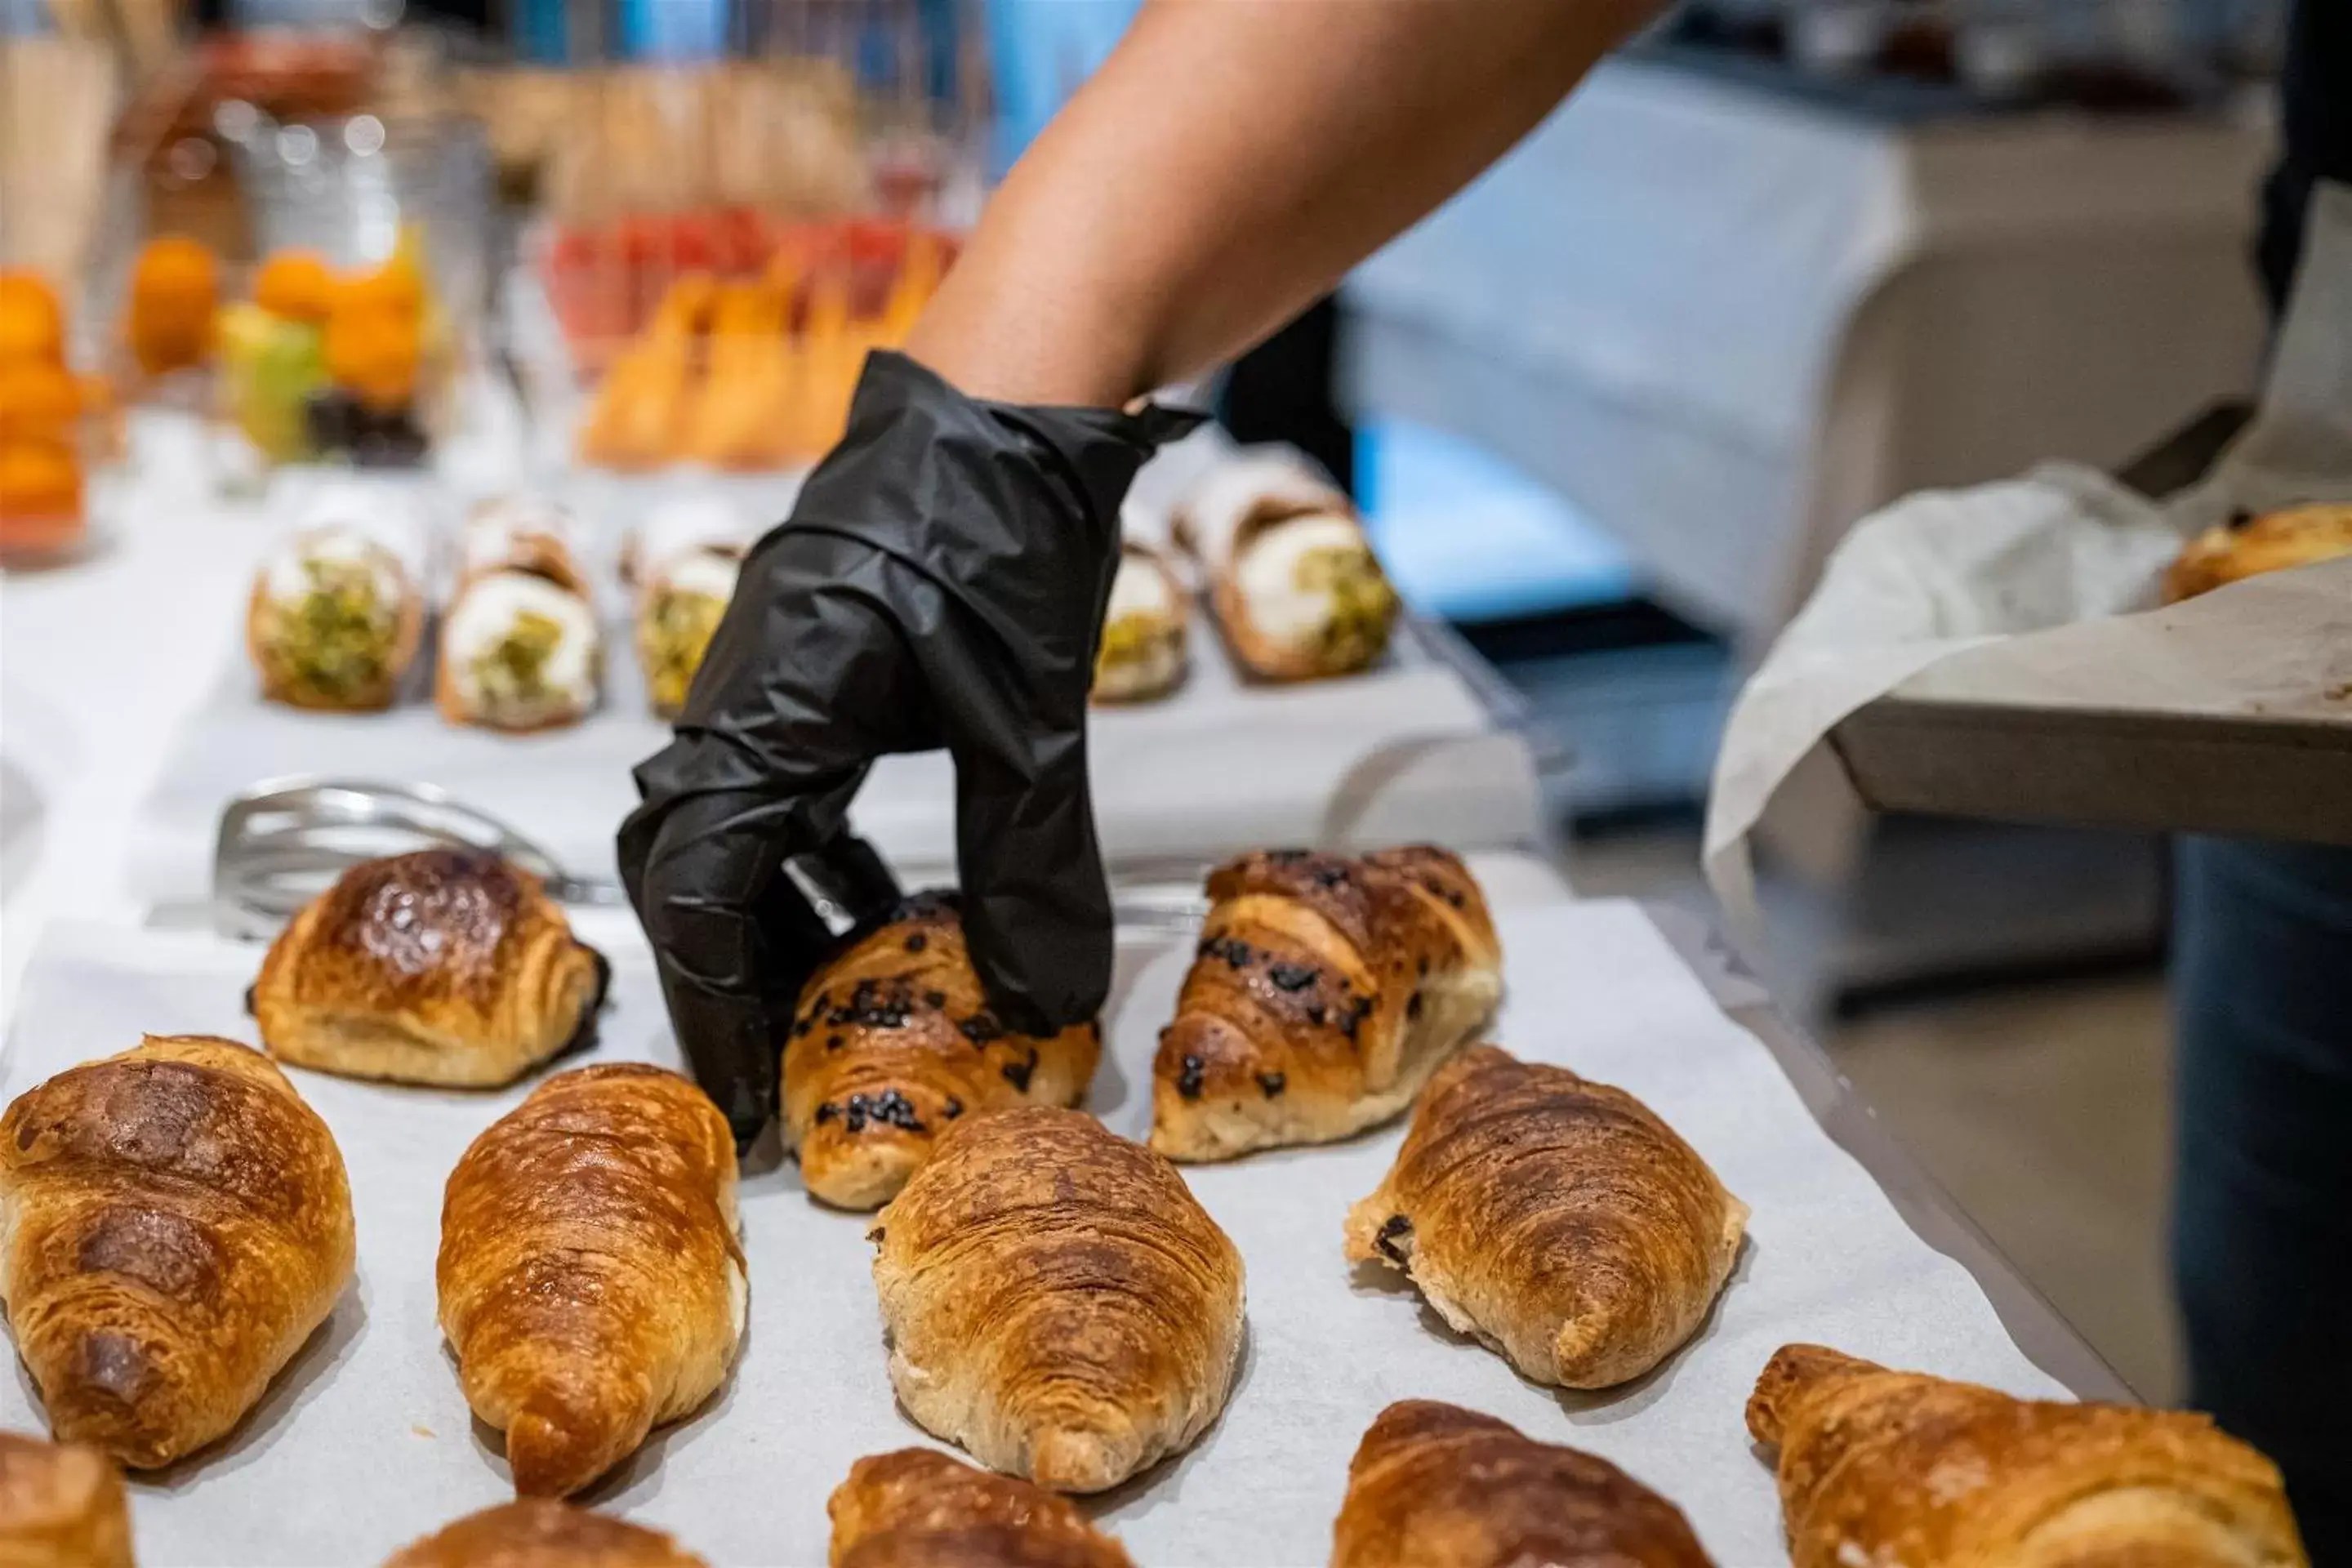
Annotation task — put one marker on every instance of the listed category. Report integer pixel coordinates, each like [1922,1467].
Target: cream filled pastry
[1143,641]
[528,533]
[518,651]
[333,621]
[1298,592]
[677,618]
[687,525]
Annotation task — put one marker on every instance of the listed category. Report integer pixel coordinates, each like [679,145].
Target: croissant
[1056,1301]
[1298,592]
[591,1283]
[176,1223]
[1898,1467]
[2273,541]
[892,1041]
[443,966]
[1559,1220]
[540,1532]
[61,1506]
[1325,993]
[1435,1486]
[918,1509]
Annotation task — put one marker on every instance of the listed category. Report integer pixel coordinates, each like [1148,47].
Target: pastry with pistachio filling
[675,619]
[1299,594]
[519,652]
[1142,654]
[333,622]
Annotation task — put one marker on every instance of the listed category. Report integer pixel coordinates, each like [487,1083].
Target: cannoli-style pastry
[677,615]
[337,610]
[521,648]
[682,525]
[1298,592]
[1142,654]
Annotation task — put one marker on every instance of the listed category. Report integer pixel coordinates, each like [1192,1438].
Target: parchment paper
[1942,572]
[1407,751]
[366,1441]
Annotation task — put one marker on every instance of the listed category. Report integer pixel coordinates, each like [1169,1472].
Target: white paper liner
[366,1442]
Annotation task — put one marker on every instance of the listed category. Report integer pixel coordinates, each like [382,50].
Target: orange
[32,326]
[395,287]
[374,355]
[296,284]
[37,399]
[38,480]
[175,288]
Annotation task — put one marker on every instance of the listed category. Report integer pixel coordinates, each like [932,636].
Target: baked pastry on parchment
[1299,592]
[919,1509]
[540,1532]
[1559,1220]
[1435,1486]
[333,621]
[520,647]
[892,1042]
[591,1281]
[1326,990]
[1145,628]
[1056,1300]
[61,1506]
[175,1223]
[1897,1466]
[442,966]
[2295,536]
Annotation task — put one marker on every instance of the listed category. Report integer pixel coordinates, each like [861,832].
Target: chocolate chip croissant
[892,1041]
[175,1222]
[1435,1486]
[1326,991]
[61,1506]
[590,1279]
[540,1532]
[918,1509]
[1559,1220]
[1056,1300]
[443,966]
[1898,1467]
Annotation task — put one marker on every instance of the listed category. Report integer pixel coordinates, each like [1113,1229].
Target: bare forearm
[1229,163]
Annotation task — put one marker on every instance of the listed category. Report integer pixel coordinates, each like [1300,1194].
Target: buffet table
[1849,1242]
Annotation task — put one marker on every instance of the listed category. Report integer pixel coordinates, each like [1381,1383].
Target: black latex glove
[940,582]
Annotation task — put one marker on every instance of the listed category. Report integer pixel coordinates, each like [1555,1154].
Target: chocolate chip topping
[1393,1229]
[1188,1082]
[1273,1083]
[1292,976]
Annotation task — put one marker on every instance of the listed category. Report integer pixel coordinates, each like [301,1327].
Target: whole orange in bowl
[296,284]
[37,399]
[32,325]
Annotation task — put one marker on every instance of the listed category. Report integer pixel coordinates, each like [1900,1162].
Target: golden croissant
[918,1509]
[1897,1466]
[892,1041]
[541,1532]
[443,966]
[590,1279]
[1559,1220]
[61,1506]
[1056,1300]
[177,1223]
[1326,990]
[1435,1486]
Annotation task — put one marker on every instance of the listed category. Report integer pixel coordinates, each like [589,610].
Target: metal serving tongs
[284,842]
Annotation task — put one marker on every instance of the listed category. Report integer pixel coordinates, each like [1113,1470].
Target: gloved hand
[940,582]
